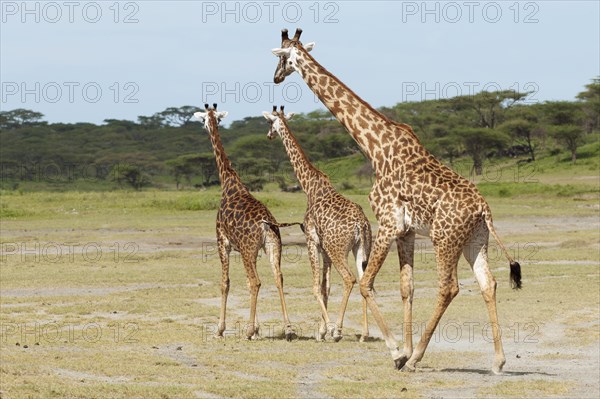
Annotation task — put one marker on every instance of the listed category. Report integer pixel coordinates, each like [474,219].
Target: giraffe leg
[313,255]
[249,259]
[325,325]
[224,251]
[359,256]
[376,259]
[476,254]
[447,255]
[273,251]
[406,249]
[341,264]
[365,332]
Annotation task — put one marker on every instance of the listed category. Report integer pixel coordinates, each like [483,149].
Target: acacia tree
[178,117]
[590,99]
[155,121]
[448,147]
[429,119]
[180,170]
[570,136]
[562,113]
[488,107]
[523,132]
[190,165]
[130,174]
[479,143]
[565,120]
[19,117]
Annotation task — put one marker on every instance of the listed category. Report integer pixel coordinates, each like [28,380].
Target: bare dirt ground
[550,328]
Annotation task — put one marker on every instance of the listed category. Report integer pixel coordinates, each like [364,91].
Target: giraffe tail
[274,224]
[515,267]
[366,236]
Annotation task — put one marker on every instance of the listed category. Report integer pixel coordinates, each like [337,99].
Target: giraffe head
[276,121]
[288,53]
[209,115]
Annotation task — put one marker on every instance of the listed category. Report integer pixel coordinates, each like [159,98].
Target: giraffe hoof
[289,333]
[401,362]
[497,367]
[364,338]
[337,338]
[408,369]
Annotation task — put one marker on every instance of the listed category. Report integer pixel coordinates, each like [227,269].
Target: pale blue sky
[80,61]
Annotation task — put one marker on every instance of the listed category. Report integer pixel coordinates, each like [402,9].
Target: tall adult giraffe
[244,224]
[413,193]
[333,226]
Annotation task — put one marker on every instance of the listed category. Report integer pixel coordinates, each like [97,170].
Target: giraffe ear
[222,114]
[269,116]
[309,46]
[199,116]
[278,52]
[289,115]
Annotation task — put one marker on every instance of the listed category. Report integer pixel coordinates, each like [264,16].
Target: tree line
[167,148]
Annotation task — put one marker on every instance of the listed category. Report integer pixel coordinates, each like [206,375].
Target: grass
[199,202]
[529,389]
[137,321]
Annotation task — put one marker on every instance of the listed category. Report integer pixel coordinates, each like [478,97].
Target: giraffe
[244,224]
[413,193]
[333,226]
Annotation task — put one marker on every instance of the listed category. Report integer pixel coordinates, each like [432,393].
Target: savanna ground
[116,295]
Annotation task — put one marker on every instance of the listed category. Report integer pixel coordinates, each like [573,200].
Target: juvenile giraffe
[413,193]
[333,226]
[244,224]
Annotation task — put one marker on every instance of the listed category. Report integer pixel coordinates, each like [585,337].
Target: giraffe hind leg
[361,265]
[476,254]
[273,251]
[325,326]
[349,280]
[376,258]
[249,259]
[406,247]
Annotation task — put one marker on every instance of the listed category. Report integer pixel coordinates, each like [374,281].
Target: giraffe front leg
[406,249]
[273,250]
[224,251]
[376,259]
[447,255]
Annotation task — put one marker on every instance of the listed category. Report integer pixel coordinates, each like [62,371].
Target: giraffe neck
[371,130]
[226,171]
[309,177]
